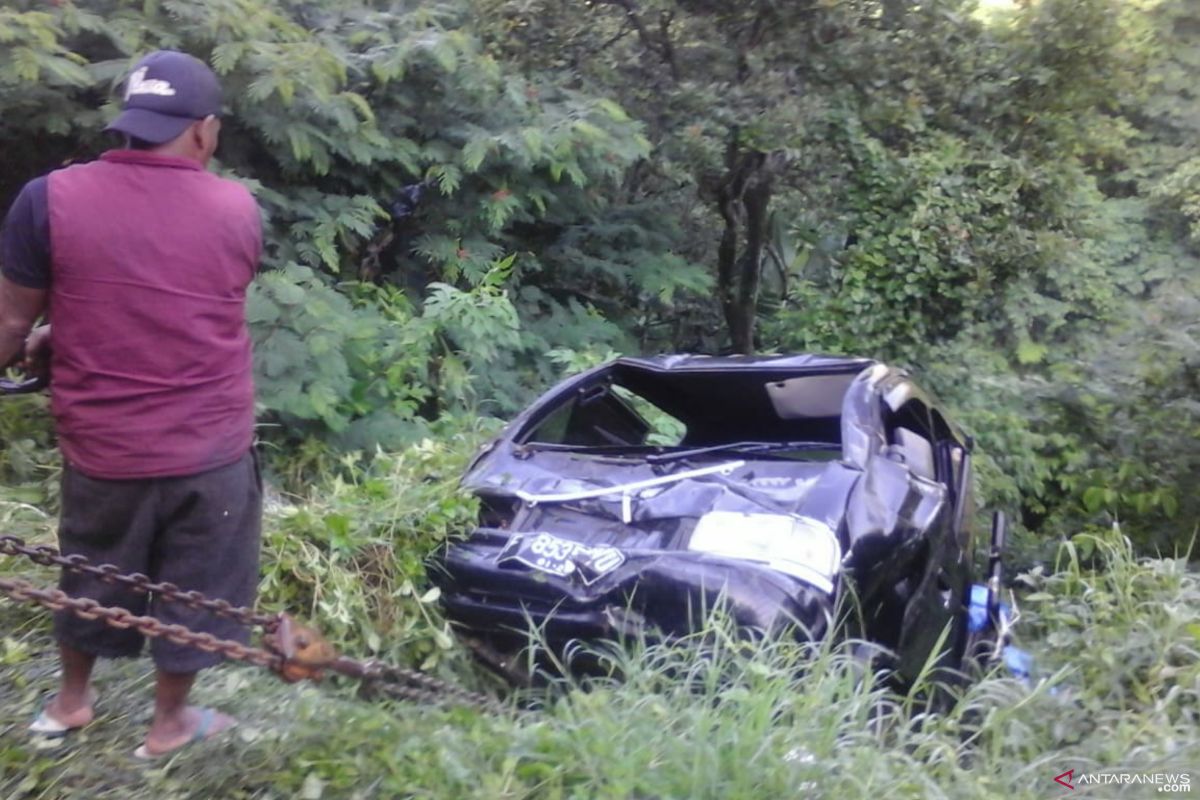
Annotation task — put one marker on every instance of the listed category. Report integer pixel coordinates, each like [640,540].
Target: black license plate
[561,557]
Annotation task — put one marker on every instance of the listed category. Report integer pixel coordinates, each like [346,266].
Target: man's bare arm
[20,308]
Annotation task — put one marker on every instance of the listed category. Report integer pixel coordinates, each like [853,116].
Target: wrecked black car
[637,496]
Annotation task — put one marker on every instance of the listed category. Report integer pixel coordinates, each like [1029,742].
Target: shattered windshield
[662,418]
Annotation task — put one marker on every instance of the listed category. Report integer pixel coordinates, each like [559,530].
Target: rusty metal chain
[378,679]
[116,617]
[109,573]
[414,694]
[402,683]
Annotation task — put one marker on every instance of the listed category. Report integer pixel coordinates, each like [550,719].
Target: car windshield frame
[698,400]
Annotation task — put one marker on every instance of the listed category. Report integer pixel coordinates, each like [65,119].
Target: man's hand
[37,353]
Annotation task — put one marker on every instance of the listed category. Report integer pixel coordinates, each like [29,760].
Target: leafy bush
[29,468]
[385,147]
[1180,192]
[1001,196]
[360,366]
[349,555]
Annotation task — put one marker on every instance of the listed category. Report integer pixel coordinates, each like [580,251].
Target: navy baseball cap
[166,92]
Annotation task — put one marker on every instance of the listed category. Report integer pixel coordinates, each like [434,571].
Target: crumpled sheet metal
[889,501]
[761,487]
[862,427]
[674,590]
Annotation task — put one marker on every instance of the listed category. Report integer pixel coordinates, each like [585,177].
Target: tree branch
[668,47]
[621,34]
[663,48]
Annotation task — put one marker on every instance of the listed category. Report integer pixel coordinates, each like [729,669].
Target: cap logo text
[139,84]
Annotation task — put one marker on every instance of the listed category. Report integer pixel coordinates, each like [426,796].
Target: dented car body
[637,496]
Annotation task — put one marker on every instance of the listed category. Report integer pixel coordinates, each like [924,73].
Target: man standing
[141,261]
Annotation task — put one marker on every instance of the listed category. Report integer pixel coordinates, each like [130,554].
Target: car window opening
[696,413]
[910,431]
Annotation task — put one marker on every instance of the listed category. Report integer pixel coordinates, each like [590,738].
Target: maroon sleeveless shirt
[150,259]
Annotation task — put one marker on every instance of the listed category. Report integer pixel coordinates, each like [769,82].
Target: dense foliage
[464,199]
[396,163]
[994,195]
[462,196]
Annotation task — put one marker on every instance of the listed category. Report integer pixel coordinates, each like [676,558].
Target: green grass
[1117,638]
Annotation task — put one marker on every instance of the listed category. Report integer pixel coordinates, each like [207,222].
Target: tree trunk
[743,199]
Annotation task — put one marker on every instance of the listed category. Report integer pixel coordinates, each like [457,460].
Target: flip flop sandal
[199,735]
[48,727]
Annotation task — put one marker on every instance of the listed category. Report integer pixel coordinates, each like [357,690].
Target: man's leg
[72,706]
[108,522]
[209,542]
[176,723]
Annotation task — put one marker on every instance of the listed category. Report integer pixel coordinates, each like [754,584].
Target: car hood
[659,543]
[629,503]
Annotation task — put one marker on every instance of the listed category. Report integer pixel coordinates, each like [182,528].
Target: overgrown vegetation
[464,199]
[1117,637]
[1003,196]
[350,554]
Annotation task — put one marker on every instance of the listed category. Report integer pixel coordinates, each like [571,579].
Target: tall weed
[349,555]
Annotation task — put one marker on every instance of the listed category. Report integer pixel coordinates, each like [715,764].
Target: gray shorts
[199,532]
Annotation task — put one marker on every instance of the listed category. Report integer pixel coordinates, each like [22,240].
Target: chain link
[116,617]
[110,573]
[404,683]
[394,682]
[412,694]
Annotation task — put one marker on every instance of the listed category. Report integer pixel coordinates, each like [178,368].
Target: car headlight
[802,547]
